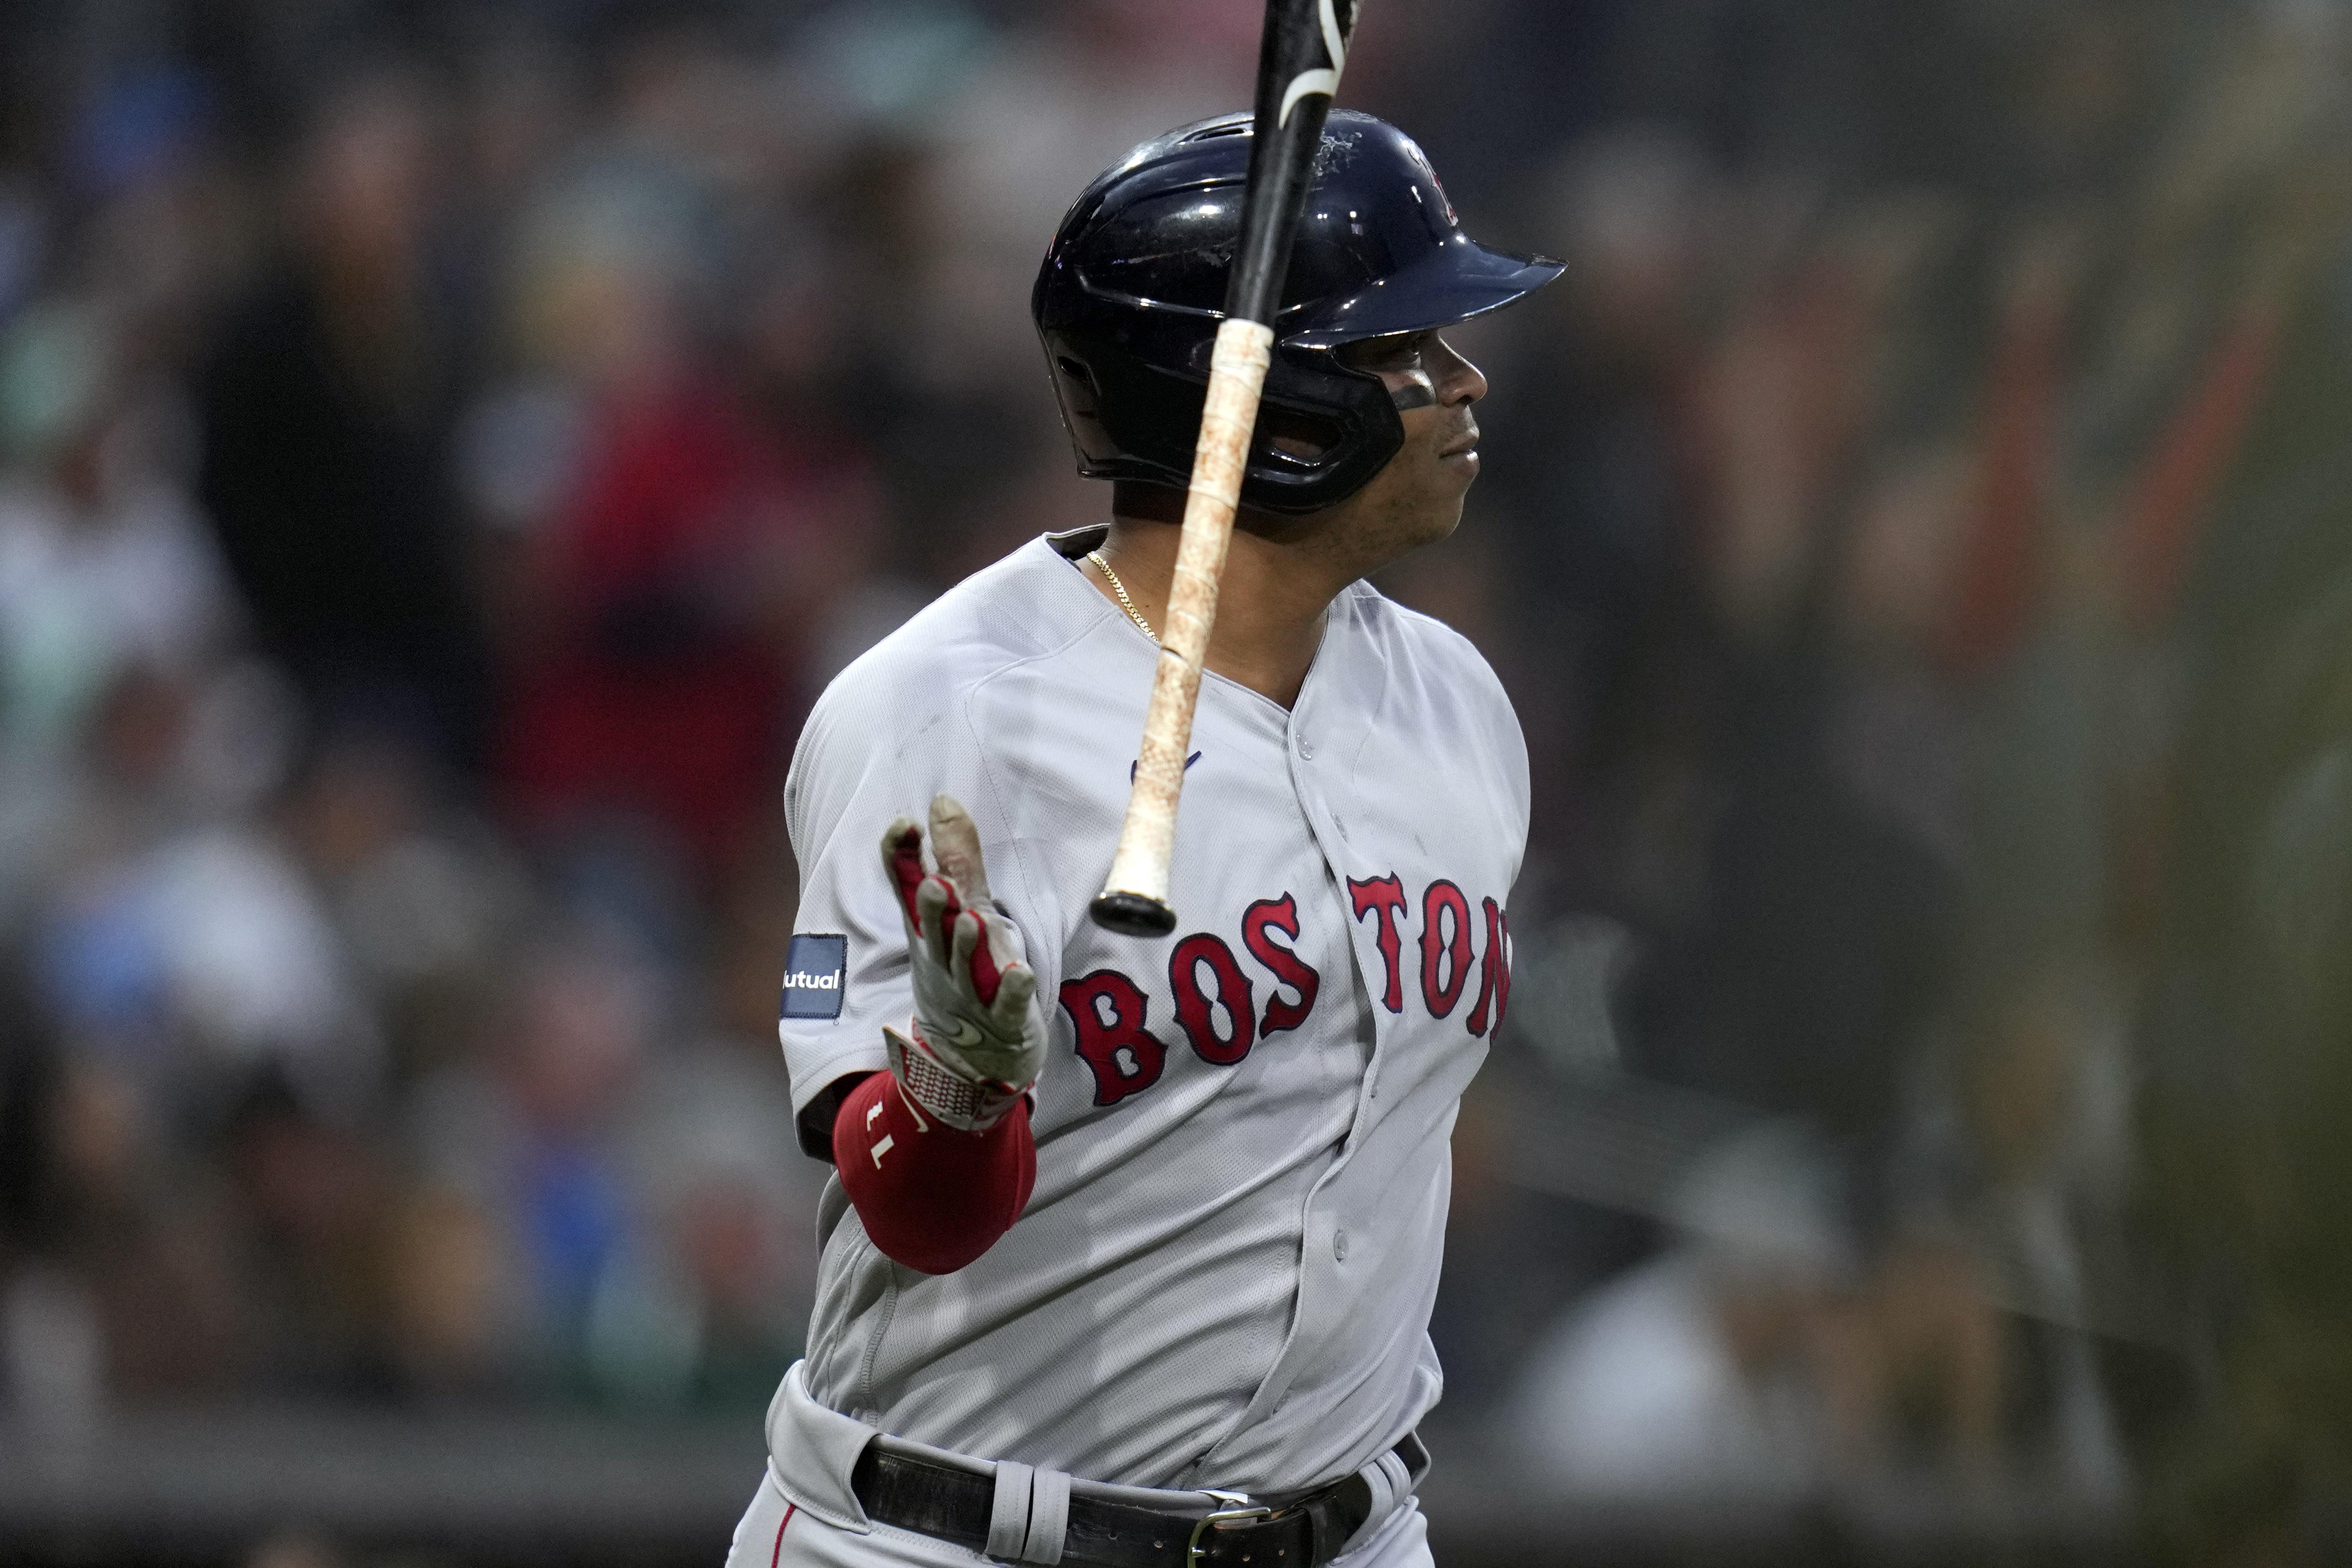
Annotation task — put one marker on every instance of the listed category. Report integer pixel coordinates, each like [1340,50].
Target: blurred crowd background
[445,449]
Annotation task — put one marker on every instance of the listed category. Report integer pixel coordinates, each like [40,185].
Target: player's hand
[977,1040]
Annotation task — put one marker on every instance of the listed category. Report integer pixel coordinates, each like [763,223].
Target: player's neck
[1270,601]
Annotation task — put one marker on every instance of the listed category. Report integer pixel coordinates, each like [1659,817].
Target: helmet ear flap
[1323,431]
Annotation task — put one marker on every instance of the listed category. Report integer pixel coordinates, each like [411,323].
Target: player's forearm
[931,1197]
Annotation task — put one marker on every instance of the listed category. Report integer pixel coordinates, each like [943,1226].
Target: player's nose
[1457,380]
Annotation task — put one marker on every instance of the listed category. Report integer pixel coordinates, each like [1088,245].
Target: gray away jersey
[1223,1276]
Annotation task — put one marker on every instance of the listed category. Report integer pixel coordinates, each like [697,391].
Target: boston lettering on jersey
[1111,1012]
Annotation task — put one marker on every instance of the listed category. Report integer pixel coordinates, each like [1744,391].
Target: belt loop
[1008,1514]
[1380,1478]
[1390,1480]
[1049,1517]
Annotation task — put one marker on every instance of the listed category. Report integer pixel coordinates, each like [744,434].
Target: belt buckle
[1238,1506]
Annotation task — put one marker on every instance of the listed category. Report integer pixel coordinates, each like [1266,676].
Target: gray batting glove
[978,1038]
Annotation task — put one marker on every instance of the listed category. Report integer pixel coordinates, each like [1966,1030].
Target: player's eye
[1400,352]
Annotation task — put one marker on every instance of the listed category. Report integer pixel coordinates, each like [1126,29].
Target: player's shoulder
[907,697]
[1025,606]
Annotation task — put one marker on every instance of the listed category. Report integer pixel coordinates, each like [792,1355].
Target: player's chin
[1442,514]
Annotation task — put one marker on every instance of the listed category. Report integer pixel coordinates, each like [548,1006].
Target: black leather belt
[1297,1532]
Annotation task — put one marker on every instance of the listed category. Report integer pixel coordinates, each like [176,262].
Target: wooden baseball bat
[1297,71]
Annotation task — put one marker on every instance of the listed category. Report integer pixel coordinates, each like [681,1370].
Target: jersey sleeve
[874,748]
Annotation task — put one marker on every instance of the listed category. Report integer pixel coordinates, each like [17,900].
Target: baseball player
[1130,1254]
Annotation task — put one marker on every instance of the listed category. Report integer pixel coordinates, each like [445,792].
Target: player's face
[1417,497]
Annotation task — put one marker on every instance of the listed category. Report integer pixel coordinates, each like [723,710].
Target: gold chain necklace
[1119,589]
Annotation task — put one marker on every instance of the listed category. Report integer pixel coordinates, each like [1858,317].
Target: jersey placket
[1341,712]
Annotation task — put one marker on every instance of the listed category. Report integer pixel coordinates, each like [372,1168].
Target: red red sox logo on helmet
[1112,1013]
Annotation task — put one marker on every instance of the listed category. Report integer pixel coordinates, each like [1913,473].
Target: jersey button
[1305,751]
[1339,1246]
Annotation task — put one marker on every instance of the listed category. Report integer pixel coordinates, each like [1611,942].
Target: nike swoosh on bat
[1188,766]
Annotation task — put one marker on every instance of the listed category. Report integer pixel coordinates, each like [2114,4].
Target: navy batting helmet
[1128,300]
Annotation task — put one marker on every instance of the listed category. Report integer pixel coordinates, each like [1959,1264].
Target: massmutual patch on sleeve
[813,975]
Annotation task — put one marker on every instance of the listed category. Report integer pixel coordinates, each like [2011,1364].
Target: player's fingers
[902,860]
[987,959]
[935,906]
[955,840]
[1010,1008]
[973,958]
[1000,947]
